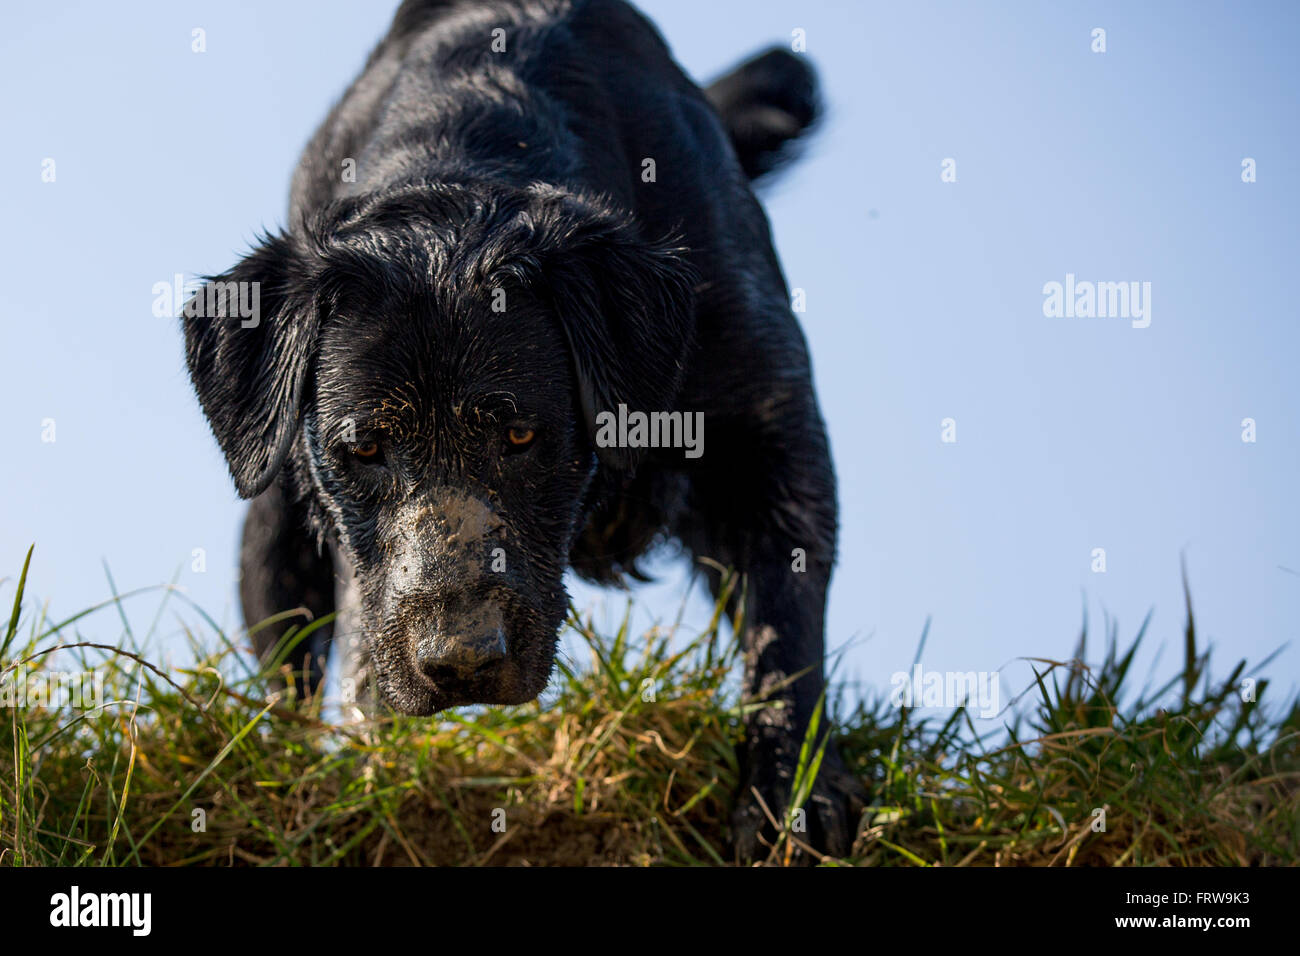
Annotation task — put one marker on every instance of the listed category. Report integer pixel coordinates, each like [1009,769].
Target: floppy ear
[249,335]
[627,307]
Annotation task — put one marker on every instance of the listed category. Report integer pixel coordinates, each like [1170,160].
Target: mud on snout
[452,611]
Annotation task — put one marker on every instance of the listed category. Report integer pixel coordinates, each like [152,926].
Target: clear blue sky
[924,302]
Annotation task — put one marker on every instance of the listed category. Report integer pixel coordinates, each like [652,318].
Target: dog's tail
[766,104]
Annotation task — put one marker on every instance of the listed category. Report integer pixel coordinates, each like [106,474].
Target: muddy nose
[452,660]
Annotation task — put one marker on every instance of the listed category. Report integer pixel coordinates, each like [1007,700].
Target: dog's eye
[520,438]
[366,450]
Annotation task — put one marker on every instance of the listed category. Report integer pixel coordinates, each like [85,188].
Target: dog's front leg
[784,648]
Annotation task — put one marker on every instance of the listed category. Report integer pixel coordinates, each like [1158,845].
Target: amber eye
[365,449]
[519,437]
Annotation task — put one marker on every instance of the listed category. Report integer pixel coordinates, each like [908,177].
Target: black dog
[521,221]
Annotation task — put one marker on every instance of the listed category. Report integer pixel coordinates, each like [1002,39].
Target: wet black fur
[519,173]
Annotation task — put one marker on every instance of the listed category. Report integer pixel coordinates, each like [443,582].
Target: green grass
[1188,774]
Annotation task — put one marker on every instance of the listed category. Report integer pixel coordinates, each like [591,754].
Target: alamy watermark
[133,911]
[211,300]
[651,430]
[25,687]
[950,689]
[1098,300]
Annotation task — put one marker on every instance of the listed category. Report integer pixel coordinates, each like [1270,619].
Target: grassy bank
[631,760]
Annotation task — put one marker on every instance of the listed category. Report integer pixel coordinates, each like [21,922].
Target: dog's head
[428,364]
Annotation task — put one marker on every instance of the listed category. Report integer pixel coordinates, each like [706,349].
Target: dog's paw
[827,826]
